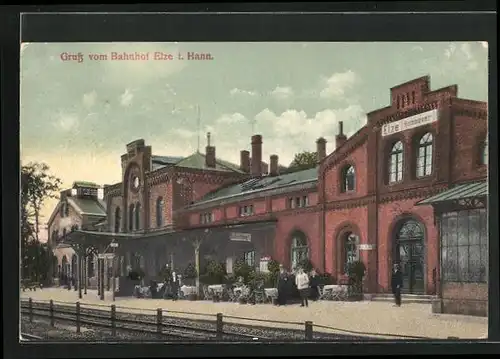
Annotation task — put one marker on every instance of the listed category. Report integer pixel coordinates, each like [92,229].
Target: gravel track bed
[42,328]
[246,332]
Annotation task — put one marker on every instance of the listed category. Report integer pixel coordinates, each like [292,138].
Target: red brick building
[359,202]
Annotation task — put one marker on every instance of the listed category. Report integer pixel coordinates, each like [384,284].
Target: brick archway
[408,248]
[343,230]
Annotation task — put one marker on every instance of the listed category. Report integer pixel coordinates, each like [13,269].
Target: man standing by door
[397,284]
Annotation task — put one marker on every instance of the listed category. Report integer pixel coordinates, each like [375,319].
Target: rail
[163,324]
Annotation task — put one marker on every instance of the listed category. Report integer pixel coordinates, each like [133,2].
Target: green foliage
[215,273]
[37,185]
[356,271]
[165,273]
[304,160]
[273,266]
[190,271]
[326,279]
[306,265]
[242,269]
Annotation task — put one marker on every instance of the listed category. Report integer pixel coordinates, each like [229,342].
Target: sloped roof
[197,160]
[85,184]
[260,184]
[461,191]
[162,161]
[88,206]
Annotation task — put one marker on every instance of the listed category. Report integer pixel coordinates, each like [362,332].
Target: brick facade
[374,210]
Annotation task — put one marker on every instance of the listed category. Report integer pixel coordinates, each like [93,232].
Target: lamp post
[114,245]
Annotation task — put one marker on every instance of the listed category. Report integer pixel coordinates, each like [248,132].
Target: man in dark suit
[397,284]
[283,286]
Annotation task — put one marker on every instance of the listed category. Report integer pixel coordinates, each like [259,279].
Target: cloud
[66,122]
[238,92]
[126,98]
[89,99]
[234,118]
[293,130]
[282,92]
[460,55]
[338,84]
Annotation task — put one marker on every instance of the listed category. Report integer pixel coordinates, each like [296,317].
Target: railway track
[102,319]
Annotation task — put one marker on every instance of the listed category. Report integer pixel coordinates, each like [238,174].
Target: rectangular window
[463,253]
[297,202]
[246,211]
[249,258]
[291,203]
[305,201]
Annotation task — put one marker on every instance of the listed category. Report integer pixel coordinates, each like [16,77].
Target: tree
[37,185]
[304,160]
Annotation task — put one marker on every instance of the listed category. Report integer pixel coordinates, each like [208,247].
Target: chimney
[340,138]
[320,149]
[256,169]
[209,153]
[245,161]
[273,166]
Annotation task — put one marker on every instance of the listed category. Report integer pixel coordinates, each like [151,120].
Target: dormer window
[424,160]
[396,163]
[348,179]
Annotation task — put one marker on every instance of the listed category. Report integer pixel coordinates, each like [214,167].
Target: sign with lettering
[240,237]
[408,123]
[366,247]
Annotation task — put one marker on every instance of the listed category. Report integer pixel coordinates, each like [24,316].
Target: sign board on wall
[240,237]
[366,247]
[408,123]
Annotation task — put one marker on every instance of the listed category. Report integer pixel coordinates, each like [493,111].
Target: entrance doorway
[409,253]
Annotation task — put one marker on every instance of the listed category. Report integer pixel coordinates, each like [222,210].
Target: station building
[374,198]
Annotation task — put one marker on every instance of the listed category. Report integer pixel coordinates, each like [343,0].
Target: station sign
[240,237]
[408,123]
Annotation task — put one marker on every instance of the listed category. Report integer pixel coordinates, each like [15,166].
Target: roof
[260,184]
[88,206]
[162,161]
[461,191]
[198,160]
[85,184]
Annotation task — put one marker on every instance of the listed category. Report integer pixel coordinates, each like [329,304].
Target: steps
[405,298]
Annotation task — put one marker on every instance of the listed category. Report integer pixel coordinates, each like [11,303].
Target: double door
[411,259]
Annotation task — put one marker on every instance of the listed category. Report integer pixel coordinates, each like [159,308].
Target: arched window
[348,179]
[396,163]
[424,160]
[351,253]
[66,209]
[64,265]
[118,219]
[131,216]
[300,250]
[90,265]
[138,216]
[160,204]
[484,153]
[64,234]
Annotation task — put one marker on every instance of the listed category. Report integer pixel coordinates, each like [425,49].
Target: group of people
[306,284]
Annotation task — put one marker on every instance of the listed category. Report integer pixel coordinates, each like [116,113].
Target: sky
[77,116]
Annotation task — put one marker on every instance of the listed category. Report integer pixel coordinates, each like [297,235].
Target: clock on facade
[136,182]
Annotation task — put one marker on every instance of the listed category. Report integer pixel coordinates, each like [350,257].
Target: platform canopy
[466,195]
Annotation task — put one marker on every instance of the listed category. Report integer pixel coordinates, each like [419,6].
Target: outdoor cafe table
[216,288]
[187,290]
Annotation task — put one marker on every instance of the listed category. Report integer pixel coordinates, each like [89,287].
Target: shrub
[215,273]
[306,265]
[356,271]
[190,271]
[273,266]
[242,269]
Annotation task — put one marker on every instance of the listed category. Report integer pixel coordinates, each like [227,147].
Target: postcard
[229,191]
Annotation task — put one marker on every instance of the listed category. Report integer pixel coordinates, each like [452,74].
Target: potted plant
[190,274]
[215,274]
[356,271]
